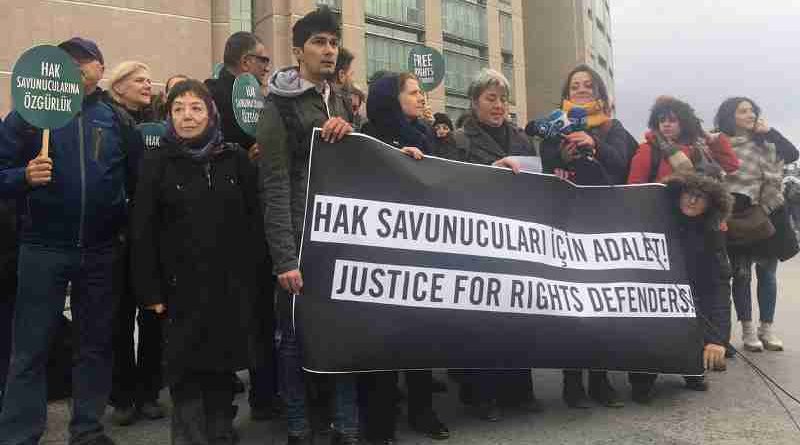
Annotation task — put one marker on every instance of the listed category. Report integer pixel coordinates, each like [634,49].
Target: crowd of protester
[195,244]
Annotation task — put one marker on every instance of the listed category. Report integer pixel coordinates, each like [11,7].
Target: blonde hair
[121,72]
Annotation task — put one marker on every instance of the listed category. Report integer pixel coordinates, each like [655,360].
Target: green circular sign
[248,101]
[428,65]
[46,87]
[216,70]
[151,133]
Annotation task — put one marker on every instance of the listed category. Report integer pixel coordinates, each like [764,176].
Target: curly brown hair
[666,106]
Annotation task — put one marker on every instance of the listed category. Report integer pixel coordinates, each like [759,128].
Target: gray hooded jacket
[294,107]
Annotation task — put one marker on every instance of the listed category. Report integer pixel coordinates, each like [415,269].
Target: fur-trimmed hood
[720,201]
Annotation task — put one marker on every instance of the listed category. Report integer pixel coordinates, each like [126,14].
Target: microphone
[548,126]
[558,123]
[577,118]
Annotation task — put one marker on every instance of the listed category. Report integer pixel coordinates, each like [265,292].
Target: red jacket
[721,151]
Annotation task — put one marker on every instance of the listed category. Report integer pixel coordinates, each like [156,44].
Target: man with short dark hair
[301,98]
[74,214]
[244,53]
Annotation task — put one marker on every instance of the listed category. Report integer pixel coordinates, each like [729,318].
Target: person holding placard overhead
[75,208]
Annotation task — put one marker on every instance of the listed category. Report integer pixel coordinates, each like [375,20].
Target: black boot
[642,387]
[488,411]
[602,392]
[696,383]
[573,393]
[428,423]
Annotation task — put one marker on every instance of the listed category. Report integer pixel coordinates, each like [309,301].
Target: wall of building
[170,36]
[560,35]
[189,36]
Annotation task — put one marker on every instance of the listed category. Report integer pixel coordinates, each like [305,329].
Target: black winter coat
[615,149]
[472,144]
[222,91]
[8,248]
[197,245]
[704,252]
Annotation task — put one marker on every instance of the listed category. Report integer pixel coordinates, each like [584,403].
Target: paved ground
[739,409]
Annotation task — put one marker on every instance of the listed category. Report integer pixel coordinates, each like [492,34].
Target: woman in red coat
[680,145]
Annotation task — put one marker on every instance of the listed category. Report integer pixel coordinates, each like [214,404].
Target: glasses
[261,59]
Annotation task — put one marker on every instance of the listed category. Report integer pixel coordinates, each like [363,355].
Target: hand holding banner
[417,264]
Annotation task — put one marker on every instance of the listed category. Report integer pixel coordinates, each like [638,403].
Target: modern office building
[558,36]
[188,36]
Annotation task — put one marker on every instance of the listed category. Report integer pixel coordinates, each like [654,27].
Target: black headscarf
[387,117]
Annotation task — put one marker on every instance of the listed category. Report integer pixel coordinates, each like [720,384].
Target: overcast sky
[704,51]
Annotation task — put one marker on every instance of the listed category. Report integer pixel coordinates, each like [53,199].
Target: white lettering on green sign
[47,85]
[47,103]
[51,70]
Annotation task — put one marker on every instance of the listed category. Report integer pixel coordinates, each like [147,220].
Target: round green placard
[248,101]
[216,70]
[46,87]
[151,133]
[428,65]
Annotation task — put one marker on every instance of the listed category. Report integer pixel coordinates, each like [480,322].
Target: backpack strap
[290,115]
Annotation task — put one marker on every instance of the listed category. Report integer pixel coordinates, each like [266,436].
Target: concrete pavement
[738,409]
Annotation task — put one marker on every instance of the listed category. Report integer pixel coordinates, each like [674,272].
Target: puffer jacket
[94,158]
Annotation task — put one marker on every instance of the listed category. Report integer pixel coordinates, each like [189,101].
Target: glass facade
[508,71]
[333,4]
[387,52]
[506,33]
[411,12]
[456,106]
[459,70]
[464,19]
[241,15]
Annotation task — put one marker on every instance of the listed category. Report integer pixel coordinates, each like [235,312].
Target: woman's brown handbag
[749,225]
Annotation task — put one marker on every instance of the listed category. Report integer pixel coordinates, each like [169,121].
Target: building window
[459,70]
[464,19]
[335,5]
[507,69]
[410,12]
[506,33]
[456,106]
[388,48]
[241,15]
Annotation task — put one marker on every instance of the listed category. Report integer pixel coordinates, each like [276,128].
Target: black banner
[439,264]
